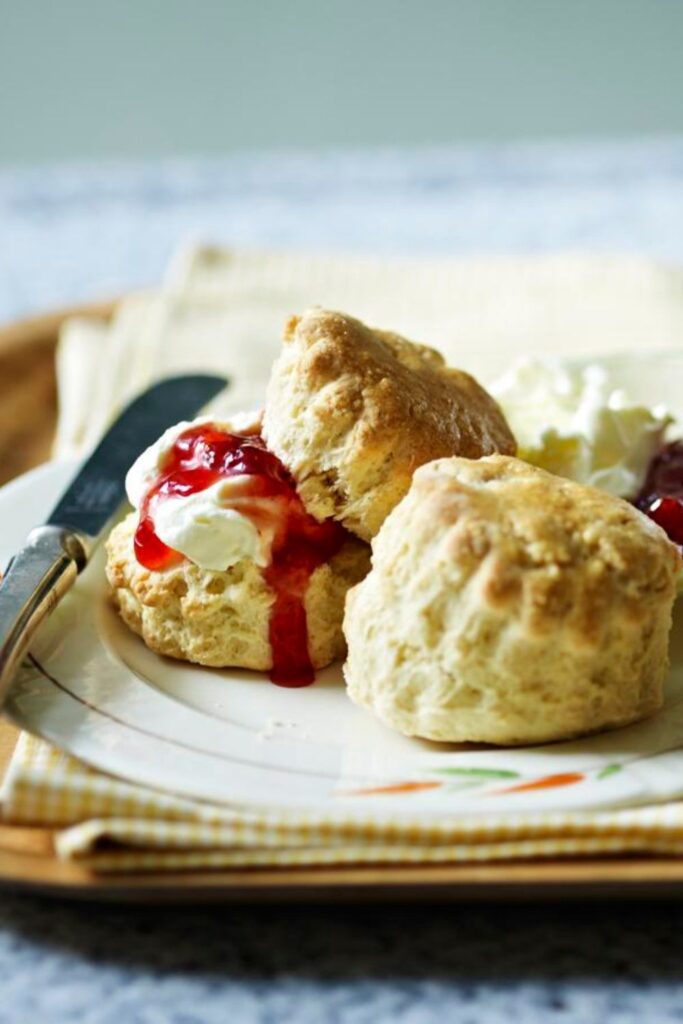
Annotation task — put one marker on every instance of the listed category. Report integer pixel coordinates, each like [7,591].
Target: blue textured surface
[91,232]
[536,965]
[78,233]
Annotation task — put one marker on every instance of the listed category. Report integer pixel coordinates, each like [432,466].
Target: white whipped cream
[571,421]
[207,527]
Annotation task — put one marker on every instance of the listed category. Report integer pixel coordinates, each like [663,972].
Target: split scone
[352,412]
[248,535]
[222,565]
[506,605]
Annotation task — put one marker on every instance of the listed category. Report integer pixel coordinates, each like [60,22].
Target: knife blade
[46,567]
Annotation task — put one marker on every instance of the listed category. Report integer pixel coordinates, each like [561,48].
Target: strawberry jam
[200,457]
[661,497]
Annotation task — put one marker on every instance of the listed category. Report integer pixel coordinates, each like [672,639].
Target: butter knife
[46,567]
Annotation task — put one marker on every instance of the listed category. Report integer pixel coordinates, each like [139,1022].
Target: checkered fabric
[113,826]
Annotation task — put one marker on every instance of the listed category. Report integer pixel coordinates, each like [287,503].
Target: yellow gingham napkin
[112,826]
[481,314]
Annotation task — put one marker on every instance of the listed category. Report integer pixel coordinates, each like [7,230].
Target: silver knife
[42,572]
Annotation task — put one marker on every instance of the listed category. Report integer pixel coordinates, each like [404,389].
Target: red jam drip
[200,457]
[661,496]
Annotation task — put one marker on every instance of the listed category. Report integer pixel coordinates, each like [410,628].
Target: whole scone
[353,411]
[506,605]
[222,618]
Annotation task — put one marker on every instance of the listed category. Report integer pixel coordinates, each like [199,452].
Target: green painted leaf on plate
[609,769]
[478,773]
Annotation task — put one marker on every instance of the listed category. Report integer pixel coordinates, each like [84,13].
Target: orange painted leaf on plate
[545,782]
[393,787]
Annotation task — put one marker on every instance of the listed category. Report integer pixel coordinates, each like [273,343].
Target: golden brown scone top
[353,411]
[552,549]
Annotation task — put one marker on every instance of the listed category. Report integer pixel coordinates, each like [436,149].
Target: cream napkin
[223,310]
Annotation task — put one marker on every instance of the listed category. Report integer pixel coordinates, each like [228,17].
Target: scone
[223,618]
[353,411]
[221,564]
[507,605]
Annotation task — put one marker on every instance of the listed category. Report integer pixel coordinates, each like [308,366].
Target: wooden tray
[27,861]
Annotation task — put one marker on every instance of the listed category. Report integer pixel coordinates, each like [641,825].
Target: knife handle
[36,580]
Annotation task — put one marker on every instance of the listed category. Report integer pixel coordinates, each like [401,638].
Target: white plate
[92,688]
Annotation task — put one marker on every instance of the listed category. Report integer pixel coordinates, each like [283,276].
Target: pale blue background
[97,78]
